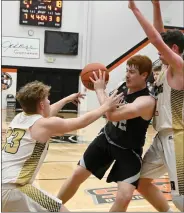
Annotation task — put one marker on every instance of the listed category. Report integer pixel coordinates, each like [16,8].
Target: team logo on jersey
[108,195]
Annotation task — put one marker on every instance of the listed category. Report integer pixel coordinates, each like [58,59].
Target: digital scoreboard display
[47,13]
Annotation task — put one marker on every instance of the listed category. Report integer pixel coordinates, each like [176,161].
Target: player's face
[161,57]
[174,48]
[155,75]
[46,107]
[133,78]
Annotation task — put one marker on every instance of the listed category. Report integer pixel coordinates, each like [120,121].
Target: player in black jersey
[122,139]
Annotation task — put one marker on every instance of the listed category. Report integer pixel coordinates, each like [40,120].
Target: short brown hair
[157,68]
[174,36]
[142,63]
[31,94]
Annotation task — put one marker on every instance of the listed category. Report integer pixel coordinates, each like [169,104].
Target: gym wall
[107,29]
[73,21]
[114,30]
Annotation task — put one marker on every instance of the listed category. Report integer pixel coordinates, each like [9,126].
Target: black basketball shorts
[100,154]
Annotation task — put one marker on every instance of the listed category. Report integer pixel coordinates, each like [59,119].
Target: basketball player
[27,144]
[166,154]
[156,71]
[122,138]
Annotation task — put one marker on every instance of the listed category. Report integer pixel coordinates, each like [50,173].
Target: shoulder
[145,98]
[44,128]
[145,106]
[46,122]
[145,101]
[17,116]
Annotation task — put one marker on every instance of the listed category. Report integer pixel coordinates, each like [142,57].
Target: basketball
[88,72]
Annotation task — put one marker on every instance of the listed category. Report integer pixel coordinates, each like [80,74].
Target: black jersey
[128,133]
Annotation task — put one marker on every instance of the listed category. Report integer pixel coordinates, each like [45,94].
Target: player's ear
[41,105]
[175,48]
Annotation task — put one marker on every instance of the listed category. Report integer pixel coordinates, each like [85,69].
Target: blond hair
[31,94]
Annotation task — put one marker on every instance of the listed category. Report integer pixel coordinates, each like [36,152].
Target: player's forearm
[157,18]
[88,118]
[148,28]
[58,126]
[92,116]
[101,95]
[57,106]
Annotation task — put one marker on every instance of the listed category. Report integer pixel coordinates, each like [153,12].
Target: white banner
[15,47]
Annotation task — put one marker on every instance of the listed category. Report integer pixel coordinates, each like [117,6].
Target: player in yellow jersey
[166,154]
[26,146]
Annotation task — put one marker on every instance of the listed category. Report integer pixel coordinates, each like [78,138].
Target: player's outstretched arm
[142,107]
[174,60]
[73,98]
[44,128]
[157,16]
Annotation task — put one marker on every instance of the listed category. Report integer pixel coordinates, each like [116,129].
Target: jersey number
[13,138]
[121,125]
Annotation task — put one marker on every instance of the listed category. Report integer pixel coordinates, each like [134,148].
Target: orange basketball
[88,72]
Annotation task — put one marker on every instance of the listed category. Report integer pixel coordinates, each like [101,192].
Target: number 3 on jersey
[13,138]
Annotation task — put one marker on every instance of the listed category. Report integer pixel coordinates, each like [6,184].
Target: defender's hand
[113,101]
[75,98]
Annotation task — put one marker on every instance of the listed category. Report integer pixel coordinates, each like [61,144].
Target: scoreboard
[46,13]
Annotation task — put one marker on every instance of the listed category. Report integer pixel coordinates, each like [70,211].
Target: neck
[40,113]
[136,89]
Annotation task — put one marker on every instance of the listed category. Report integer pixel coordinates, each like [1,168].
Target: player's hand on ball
[75,98]
[99,82]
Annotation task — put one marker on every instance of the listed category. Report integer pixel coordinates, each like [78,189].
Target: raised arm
[44,128]
[174,60]
[142,107]
[157,17]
